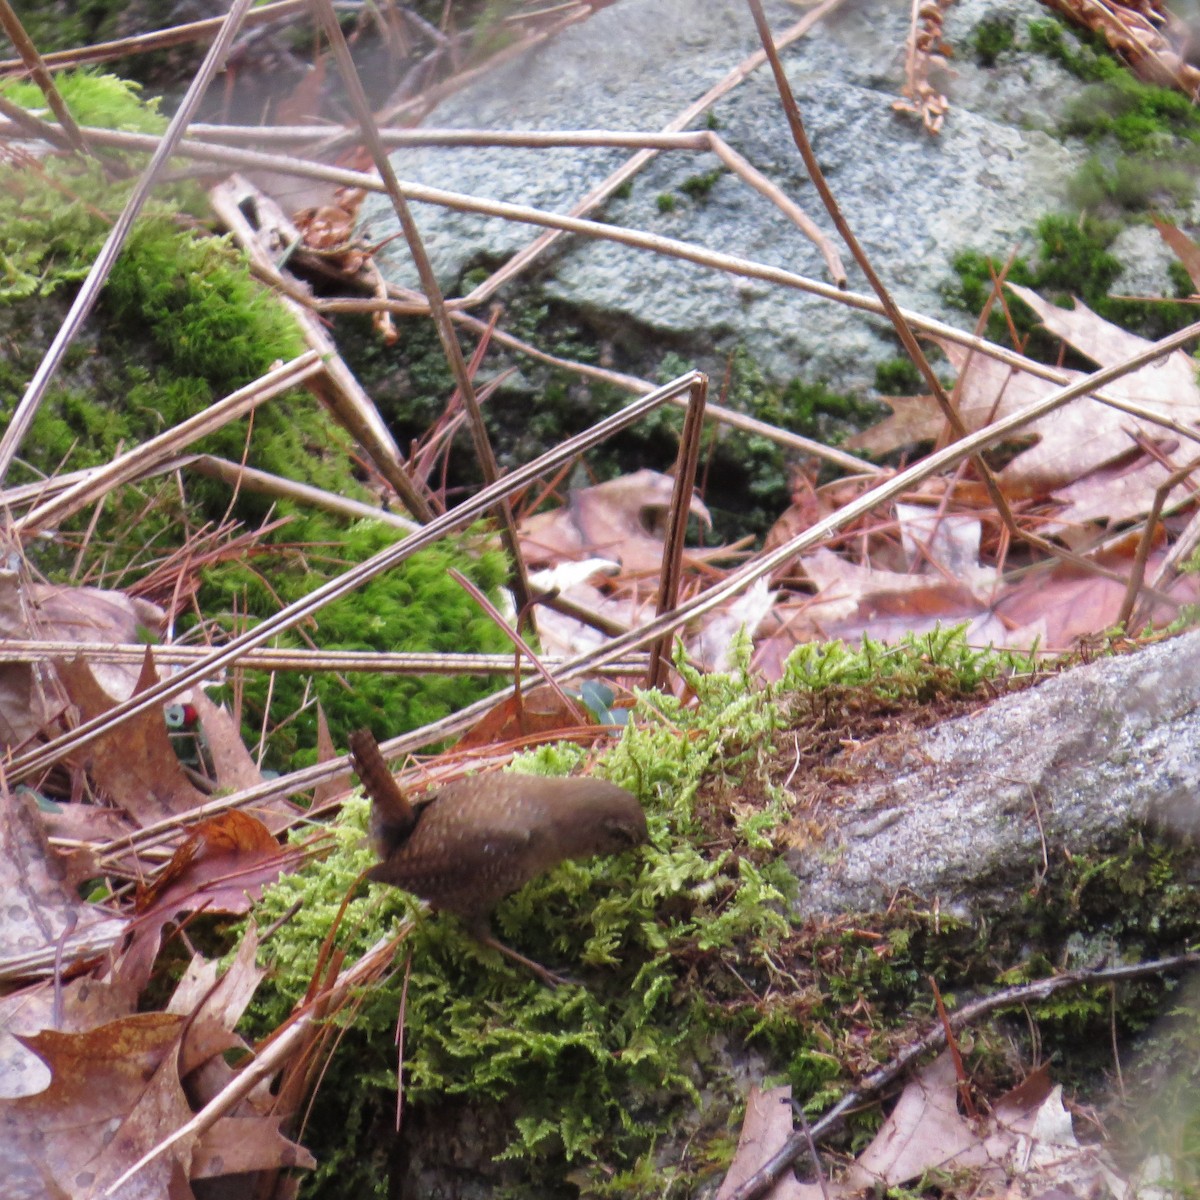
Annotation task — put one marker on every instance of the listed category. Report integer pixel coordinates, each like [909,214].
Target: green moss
[415,606]
[899,376]
[991,38]
[685,947]
[666,202]
[698,187]
[1072,259]
[179,324]
[1085,55]
[1133,183]
[94,98]
[1139,116]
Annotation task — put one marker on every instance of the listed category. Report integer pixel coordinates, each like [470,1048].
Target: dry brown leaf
[215,1004]
[1094,434]
[27,694]
[854,600]
[134,764]
[42,914]
[766,1126]
[1184,248]
[538,711]
[923,1132]
[914,419]
[339,784]
[1065,603]
[83,1003]
[114,1093]
[619,520]
[234,1145]
[221,867]
[233,764]
[1073,440]
[1113,495]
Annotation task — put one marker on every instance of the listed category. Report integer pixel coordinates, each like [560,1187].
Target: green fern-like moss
[669,942]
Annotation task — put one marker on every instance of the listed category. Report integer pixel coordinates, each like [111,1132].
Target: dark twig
[762,1180]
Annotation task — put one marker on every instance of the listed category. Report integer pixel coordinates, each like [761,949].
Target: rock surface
[913,199]
[979,809]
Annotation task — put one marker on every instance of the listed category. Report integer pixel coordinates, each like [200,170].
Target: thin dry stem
[334,589]
[671,574]
[135,463]
[671,247]
[327,19]
[34,64]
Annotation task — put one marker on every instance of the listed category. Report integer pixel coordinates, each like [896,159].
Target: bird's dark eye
[622,836]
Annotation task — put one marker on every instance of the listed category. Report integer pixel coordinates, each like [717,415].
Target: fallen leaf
[114,1092]
[536,712]
[1184,248]
[766,1126]
[133,764]
[83,1003]
[622,519]
[339,784]
[41,915]
[222,866]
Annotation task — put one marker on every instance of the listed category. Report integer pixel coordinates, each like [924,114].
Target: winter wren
[479,839]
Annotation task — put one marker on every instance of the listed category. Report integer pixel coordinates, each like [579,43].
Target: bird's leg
[548,977]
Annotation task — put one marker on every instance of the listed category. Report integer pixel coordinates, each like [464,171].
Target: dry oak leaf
[221,867]
[81,1004]
[233,764]
[29,695]
[1073,440]
[622,519]
[1096,434]
[114,1094]
[133,764]
[766,1126]
[41,916]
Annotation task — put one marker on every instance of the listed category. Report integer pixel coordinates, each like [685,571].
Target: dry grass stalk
[486,458]
[161,39]
[151,454]
[272,659]
[685,251]
[462,516]
[32,60]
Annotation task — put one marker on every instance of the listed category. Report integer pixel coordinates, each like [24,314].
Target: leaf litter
[91,1086]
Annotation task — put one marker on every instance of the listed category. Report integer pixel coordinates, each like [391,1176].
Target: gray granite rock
[912,198]
[977,810]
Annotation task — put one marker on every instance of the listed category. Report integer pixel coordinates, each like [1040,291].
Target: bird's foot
[548,977]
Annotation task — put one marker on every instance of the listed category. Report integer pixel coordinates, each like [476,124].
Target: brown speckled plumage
[479,839]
